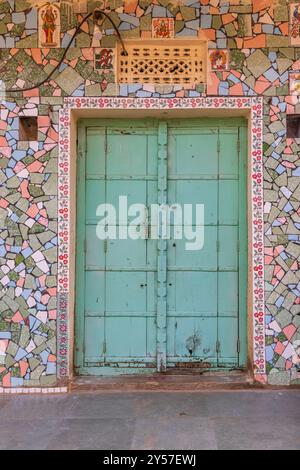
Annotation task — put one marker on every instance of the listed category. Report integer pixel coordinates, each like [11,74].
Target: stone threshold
[173,381]
[182,381]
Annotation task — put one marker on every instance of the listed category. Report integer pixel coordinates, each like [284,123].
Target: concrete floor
[259,419]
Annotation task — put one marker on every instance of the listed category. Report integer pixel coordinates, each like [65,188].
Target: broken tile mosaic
[263,60]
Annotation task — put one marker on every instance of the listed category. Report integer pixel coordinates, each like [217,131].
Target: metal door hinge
[218,146]
[104,347]
[238,346]
[105,245]
[218,346]
[238,145]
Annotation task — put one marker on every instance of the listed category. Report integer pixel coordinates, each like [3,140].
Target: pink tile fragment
[52,314]
[3,345]
[289,331]
[288,365]
[6,380]
[44,121]
[35,167]
[24,189]
[33,211]
[3,203]
[17,317]
[279,348]
[23,367]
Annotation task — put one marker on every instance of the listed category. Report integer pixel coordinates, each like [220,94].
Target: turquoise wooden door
[116,278]
[146,304]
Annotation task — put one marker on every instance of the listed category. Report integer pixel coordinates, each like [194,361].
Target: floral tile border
[32,390]
[255,106]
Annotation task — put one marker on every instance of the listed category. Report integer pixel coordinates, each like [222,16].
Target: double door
[147,297]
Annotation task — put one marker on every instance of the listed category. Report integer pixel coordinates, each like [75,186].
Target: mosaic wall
[254,49]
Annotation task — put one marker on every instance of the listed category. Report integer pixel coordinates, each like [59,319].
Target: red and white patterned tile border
[63,242]
[31,390]
[255,106]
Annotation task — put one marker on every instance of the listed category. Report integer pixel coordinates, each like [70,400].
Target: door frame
[76,108]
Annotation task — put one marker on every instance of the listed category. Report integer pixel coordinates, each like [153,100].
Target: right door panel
[204,288]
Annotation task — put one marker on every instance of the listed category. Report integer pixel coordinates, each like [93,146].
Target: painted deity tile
[218,59]
[162,28]
[104,59]
[295,24]
[294,83]
[49,25]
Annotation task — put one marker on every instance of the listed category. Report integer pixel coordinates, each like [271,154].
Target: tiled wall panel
[260,57]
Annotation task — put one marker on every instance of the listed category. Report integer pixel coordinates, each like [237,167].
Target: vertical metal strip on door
[162,253]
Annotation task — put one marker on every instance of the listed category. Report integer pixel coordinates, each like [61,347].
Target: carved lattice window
[163,62]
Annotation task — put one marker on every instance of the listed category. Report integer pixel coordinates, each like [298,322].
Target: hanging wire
[97,14]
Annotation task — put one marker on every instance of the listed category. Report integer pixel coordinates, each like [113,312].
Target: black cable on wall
[97,14]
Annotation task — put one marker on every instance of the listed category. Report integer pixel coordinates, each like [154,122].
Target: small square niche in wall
[28,129]
[293,126]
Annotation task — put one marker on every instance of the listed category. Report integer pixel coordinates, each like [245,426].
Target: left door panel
[116,278]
